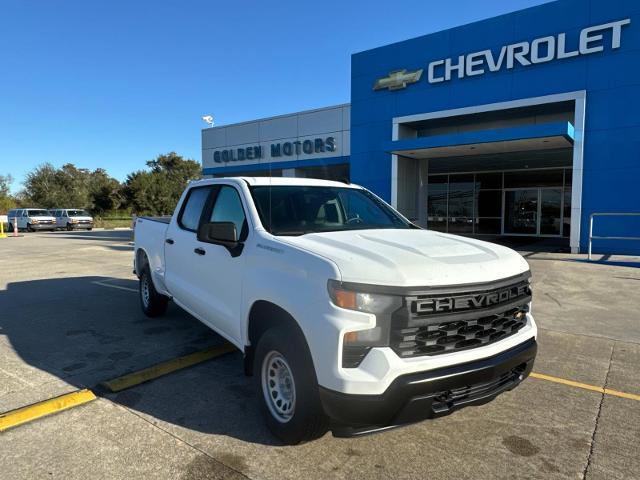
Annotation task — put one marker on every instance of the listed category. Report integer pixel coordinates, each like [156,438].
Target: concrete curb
[99,229]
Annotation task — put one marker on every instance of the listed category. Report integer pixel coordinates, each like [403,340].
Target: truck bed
[164,219]
[149,235]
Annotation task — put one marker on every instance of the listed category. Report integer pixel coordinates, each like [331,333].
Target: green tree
[69,186]
[105,192]
[157,191]
[41,187]
[7,201]
[72,184]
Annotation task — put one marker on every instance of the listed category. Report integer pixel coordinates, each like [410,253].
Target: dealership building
[522,125]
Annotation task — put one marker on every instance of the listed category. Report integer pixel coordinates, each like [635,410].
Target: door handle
[199,251]
[169,241]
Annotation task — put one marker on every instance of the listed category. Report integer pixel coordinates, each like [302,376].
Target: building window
[538,202]
[437,192]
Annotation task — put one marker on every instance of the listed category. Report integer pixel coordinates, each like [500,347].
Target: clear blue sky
[113,83]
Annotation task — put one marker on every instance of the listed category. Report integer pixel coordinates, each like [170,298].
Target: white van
[72,218]
[31,219]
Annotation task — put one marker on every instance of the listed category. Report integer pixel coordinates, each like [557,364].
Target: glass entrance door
[521,211]
[550,211]
[533,211]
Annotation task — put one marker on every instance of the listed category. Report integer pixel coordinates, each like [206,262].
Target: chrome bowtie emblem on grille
[398,80]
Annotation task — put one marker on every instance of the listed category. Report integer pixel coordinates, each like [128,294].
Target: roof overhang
[545,136]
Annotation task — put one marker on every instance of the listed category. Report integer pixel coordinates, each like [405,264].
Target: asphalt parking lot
[69,319]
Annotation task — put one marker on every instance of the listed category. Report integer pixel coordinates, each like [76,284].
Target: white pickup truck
[350,317]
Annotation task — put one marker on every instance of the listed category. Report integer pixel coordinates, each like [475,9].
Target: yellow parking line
[164,368]
[26,414]
[586,386]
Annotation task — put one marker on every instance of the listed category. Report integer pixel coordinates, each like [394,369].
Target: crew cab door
[206,278]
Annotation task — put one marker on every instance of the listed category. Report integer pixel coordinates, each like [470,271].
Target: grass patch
[123,222]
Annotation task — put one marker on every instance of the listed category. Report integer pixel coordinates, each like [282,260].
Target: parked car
[72,218]
[31,219]
[349,316]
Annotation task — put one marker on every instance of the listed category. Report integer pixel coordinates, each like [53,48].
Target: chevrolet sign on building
[523,125]
[540,50]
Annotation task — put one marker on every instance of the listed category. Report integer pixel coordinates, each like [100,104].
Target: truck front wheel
[153,303]
[288,388]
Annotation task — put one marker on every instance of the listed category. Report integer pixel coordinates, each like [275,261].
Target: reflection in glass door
[550,211]
[533,211]
[521,211]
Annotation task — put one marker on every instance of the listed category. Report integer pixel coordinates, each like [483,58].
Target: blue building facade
[571,100]
[522,125]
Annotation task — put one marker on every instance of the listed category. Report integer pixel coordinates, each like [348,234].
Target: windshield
[38,213]
[78,213]
[296,210]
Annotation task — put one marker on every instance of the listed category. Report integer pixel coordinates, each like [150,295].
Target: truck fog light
[363,337]
[356,345]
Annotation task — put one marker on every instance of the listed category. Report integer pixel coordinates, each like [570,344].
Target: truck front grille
[452,336]
[438,322]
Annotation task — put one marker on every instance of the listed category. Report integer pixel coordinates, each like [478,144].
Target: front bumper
[43,226]
[418,396]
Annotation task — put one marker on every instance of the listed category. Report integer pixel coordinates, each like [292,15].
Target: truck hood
[412,258]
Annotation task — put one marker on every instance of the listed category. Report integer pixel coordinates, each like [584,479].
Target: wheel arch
[141,260]
[263,316]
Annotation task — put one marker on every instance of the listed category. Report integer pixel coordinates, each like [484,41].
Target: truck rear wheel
[287,386]
[153,303]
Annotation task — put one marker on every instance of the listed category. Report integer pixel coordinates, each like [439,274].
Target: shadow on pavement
[608,263]
[85,333]
[107,235]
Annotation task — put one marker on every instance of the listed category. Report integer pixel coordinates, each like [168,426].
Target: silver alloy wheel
[146,293]
[278,387]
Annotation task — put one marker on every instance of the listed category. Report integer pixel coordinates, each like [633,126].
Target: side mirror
[219,233]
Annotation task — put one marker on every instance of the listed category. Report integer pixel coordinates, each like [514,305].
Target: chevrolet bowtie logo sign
[397,80]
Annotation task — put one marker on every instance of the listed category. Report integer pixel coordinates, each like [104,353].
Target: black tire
[69,228]
[89,229]
[307,420]
[29,228]
[153,303]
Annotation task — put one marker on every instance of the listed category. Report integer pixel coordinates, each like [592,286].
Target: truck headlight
[357,343]
[361,301]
